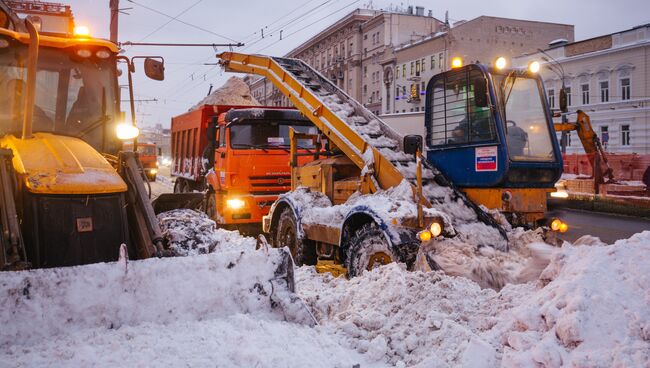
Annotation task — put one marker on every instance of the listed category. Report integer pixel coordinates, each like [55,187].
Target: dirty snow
[234,92]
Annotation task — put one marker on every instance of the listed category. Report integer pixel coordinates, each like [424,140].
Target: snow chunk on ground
[406,318]
[190,232]
[592,313]
[40,304]
[235,341]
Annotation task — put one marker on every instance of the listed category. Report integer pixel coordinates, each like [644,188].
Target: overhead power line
[307,26]
[182,21]
[171,20]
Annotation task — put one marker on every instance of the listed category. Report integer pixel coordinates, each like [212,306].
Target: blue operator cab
[491,133]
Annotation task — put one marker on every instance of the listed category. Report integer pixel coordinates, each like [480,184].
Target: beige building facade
[349,52]
[607,77]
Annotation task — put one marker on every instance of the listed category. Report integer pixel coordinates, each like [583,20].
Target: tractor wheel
[302,251]
[368,249]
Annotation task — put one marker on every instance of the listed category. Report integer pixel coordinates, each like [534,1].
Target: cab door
[463,134]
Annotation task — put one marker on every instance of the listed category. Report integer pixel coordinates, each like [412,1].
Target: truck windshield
[266,134]
[74,96]
[527,127]
[143,149]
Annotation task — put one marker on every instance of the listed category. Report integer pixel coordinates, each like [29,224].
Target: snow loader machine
[371,197]
[70,196]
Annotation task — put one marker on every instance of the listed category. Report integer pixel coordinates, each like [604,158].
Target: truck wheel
[211,206]
[302,251]
[367,250]
[178,185]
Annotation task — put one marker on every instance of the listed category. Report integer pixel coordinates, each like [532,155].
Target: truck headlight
[127,131]
[235,203]
[153,171]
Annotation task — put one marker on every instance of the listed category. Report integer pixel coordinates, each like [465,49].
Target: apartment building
[607,77]
[349,52]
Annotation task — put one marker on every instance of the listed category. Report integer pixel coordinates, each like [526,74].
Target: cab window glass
[455,117]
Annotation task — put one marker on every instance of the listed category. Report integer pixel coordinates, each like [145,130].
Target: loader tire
[368,249]
[303,251]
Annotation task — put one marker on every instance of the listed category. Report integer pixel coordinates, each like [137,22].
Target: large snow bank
[589,309]
[594,311]
[234,92]
[233,341]
[43,303]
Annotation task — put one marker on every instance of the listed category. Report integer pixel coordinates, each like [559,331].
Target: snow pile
[190,232]
[402,318]
[234,92]
[234,341]
[594,311]
[40,304]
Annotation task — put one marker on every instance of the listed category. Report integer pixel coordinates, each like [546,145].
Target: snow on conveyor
[589,308]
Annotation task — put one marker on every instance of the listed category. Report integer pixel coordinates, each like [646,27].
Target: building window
[604,91]
[404,91]
[412,67]
[433,62]
[365,36]
[365,72]
[625,135]
[585,94]
[365,89]
[604,135]
[423,68]
[568,95]
[417,68]
[551,98]
[404,70]
[625,89]
[440,61]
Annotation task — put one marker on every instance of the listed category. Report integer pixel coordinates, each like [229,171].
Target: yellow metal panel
[52,164]
[60,42]
[523,200]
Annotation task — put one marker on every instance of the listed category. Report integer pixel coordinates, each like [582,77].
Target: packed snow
[585,306]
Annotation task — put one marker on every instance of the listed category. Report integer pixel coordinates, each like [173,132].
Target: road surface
[608,227]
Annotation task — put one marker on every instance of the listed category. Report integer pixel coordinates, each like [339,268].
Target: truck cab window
[267,134]
[456,118]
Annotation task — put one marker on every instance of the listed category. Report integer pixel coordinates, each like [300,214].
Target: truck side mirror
[563,100]
[412,144]
[154,69]
[480,92]
[211,132]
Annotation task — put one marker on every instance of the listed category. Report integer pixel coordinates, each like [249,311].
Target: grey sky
[187,80]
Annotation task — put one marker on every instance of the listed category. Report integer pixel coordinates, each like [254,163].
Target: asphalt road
[608,227]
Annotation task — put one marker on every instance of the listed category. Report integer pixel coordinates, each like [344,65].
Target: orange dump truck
[148,155]
[238,155]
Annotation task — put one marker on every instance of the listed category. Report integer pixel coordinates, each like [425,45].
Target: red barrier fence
[625,166]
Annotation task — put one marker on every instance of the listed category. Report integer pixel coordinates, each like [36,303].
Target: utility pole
[115,9]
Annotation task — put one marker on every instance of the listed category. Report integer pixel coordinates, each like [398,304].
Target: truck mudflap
[38,304]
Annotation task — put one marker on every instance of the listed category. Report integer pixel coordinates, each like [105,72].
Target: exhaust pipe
[32,63]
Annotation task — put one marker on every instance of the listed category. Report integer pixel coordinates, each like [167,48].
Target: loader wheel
[368,249]
[303,251]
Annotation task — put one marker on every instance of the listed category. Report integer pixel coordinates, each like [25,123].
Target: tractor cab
[490,132]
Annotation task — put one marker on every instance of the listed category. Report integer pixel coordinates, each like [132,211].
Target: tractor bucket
[172,201]
[38,304]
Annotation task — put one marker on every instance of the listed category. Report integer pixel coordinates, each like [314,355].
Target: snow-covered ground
[589,308]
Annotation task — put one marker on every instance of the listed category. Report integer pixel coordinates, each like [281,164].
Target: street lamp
[558,69]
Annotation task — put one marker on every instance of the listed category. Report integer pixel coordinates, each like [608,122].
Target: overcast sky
[188,80]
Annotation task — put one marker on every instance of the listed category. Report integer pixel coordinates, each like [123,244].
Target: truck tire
[303,251]
[368,248]
[211,206]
